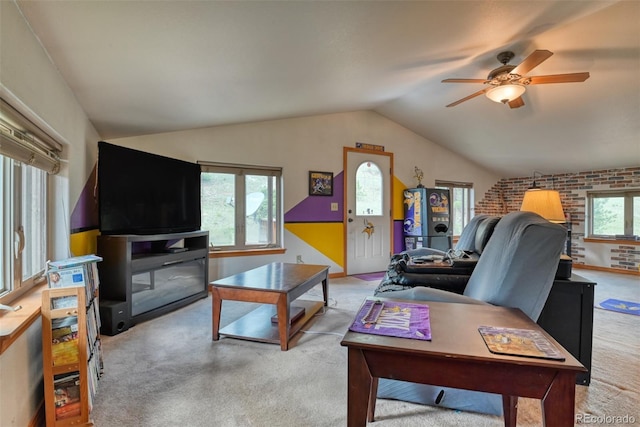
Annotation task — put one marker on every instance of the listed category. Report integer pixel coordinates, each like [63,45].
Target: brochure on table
[394,319]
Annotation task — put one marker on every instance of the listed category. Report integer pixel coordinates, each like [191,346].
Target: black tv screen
[144,193]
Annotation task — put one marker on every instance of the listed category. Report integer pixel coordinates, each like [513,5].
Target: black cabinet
[568,317]
[149,275]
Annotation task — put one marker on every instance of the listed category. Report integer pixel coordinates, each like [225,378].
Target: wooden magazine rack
[71,350]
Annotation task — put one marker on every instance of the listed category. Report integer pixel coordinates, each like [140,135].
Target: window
[614,214]
[369,190]
[23,221]
[241,206]
[24,161]
[462,210]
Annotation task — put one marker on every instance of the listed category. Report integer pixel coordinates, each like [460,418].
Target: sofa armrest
[420,293]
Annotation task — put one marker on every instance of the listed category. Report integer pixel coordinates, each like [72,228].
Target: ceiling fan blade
[473,95]
[531,62]
[463,81]
[559,78]
[516,103]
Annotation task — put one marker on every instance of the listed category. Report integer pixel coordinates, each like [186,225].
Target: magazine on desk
[519,342]
[393,319]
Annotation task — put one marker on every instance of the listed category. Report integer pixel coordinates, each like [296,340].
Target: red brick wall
[506,196]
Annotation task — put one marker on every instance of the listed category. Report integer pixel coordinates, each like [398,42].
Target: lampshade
[545,203]
[505,93]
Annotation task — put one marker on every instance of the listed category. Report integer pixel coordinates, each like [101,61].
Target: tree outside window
[241,206]
[615,214]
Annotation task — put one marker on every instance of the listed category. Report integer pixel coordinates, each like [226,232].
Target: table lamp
[547,204]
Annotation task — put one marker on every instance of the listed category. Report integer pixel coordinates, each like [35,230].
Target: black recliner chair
[438,269]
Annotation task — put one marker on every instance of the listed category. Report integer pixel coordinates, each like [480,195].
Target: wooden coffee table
[277,284]
[458,357]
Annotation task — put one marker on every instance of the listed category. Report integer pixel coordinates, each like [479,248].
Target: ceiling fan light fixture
[505,93]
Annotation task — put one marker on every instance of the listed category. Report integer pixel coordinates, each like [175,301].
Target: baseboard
[607,269]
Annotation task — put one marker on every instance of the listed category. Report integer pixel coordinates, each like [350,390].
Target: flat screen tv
[144,193]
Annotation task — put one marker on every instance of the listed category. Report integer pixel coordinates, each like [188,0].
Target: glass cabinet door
[153,289]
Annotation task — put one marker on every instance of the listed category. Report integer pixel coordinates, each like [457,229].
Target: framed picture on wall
[320,183]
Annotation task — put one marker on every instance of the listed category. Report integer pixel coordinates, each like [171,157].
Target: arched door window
[369,189]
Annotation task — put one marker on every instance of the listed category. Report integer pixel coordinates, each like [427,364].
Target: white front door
[368,211]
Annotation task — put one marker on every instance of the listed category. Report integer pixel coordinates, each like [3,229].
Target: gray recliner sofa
[417,267]
[516,269]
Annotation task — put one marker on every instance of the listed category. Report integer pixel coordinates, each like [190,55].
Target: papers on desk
[393,319]
[519,342]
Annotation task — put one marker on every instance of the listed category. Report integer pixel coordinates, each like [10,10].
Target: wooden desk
[276,283]
[458,357]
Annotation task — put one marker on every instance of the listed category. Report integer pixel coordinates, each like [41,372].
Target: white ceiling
[143,67]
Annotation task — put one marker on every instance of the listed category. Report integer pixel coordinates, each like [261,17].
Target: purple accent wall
[398,236]
[85,213]
[318,208]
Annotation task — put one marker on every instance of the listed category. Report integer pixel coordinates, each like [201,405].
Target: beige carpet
[168,372]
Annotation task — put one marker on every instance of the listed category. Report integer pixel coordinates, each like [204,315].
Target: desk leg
[359,384]
[373,395]
[216,308]
[510,410]
[282,307]
[325,290]
[558,405]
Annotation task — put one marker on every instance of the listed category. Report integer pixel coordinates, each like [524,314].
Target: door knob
[350,220]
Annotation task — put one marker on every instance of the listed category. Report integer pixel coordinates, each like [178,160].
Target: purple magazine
[395,319]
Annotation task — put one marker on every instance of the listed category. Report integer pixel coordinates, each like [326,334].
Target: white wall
[32,84]
[310,143]
[21,384]
[315,143]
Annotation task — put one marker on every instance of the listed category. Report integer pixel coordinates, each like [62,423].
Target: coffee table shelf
[257,325]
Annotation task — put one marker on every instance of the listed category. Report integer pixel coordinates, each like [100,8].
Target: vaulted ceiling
[143,67]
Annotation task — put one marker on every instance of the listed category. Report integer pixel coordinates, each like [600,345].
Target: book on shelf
[66,301]
[64,340]
[519,342]
[393,319]
[93,322]
[66,390]
[67,277]
[74,261]
[75,272]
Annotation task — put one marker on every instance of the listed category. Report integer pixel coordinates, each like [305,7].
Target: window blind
[451,184]
[22,140]
[239,169]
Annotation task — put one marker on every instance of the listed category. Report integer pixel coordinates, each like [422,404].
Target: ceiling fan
[507,83]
